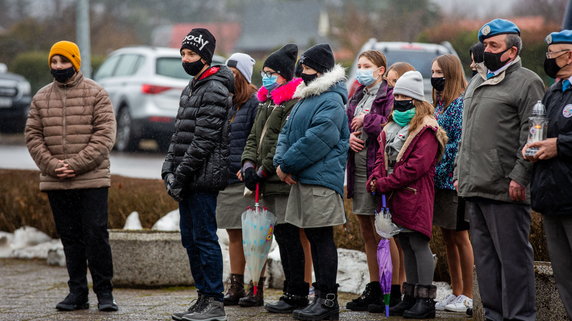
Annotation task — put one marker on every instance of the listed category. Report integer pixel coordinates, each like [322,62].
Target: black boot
[395,296]
[74,301]
[105,302]
[407,302]
[295,297]
[371,295]
[424,307]
[324,307]
[251,299]
[235,291]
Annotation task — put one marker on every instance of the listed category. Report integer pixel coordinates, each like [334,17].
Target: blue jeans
[198,234]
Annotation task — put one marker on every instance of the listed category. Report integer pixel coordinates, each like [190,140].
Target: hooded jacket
[73,122]
[273,110]
[198,155]
[313,145]
[411,186]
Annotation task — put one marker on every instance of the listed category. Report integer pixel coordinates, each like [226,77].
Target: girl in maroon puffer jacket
[410,146]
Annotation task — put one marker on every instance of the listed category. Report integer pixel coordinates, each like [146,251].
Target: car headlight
[24,88]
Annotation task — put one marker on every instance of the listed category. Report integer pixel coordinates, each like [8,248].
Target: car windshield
[421,60]
[171,67]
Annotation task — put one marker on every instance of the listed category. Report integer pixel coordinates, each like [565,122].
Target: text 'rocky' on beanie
[66,49]
[202,42]
[410,84]
[319,57]
[283,61]
[243,63]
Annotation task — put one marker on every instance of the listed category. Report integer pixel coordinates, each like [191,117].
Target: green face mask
[403,118]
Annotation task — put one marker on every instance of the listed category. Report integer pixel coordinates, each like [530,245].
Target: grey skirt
[230,204]
[363,203]
[449,212]
[277,205]
[314,206]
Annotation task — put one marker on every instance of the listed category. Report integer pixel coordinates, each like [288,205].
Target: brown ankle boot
[252,300]
[235,290]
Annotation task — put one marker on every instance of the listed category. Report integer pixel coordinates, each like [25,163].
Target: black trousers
[292,257]
[324,257]
[81,222]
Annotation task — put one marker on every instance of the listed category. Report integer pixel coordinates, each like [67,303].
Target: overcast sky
[477,8]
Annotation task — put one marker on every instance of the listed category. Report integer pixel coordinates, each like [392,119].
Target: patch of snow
[27,236]
[132,222]
[169,222]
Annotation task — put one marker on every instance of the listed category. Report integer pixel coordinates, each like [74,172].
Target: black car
[15,97]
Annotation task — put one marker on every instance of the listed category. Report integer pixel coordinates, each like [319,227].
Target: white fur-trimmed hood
[321,84]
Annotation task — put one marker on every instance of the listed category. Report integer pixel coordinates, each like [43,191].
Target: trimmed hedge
[22,203]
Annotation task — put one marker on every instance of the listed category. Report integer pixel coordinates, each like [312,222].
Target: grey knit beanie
[243,62]
[410,84]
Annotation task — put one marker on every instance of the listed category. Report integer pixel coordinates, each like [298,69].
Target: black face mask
[193,68]
[550,67]
[438,83]
[62,75]
[493,60]
[308,78]
[403,105]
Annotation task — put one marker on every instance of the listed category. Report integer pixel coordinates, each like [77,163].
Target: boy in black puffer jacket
[196,168]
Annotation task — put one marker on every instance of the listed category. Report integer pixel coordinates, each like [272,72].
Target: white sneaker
[461,304]
[447,300]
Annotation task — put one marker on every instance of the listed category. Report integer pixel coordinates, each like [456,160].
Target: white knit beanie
[410,84]
[243,62]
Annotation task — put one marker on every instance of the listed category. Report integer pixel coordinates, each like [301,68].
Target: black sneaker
[212,310]
[196,305]
[73,302]
[106,303]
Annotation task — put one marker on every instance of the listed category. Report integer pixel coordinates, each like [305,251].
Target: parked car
[144,85]
[15,98]
[419,55]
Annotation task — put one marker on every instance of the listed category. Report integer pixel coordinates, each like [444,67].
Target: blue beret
[564,36]
[497,27]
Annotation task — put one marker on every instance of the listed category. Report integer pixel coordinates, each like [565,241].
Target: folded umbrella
[257,232]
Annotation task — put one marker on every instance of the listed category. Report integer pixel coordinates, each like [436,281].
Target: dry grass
[22,203]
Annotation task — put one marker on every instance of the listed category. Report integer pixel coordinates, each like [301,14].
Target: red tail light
[159,119]
[152,89]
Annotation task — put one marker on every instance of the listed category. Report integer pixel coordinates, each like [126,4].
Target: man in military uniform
[551,183]
[492,174]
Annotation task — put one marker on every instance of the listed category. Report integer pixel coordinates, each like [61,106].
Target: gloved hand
[250,178]
[175,190]
[169,180]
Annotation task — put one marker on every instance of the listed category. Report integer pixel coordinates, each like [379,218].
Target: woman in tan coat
[69,133]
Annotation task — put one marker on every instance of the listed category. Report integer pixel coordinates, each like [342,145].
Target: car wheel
[126,137]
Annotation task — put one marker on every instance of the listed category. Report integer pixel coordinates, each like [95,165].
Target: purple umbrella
[384,258]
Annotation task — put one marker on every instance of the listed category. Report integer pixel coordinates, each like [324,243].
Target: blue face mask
[403,118]
[365,76]
[269,82]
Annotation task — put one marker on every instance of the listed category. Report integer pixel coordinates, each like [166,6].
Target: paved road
[14,155]
[29,290]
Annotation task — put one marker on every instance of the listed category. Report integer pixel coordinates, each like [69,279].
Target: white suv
[144,85]
[419,55]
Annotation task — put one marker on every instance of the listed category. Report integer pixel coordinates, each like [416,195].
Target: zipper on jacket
[411,189]
[64,122]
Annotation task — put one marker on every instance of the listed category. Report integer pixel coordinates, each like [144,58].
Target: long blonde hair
[422,108]
[455,83]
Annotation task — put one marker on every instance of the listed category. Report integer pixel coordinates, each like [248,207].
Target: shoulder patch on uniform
[567,111]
